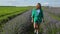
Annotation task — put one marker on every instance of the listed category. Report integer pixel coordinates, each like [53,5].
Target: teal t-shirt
[37,12]
[37,15]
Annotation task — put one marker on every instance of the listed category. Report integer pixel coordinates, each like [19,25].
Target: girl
[37,17]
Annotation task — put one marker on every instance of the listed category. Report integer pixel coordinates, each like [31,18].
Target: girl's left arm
[42,15]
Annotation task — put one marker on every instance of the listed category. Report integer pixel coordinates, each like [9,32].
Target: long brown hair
[39,5]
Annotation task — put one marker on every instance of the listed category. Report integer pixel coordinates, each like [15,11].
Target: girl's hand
[43,20]
[32,21]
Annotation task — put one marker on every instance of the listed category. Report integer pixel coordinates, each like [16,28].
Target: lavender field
[22,23]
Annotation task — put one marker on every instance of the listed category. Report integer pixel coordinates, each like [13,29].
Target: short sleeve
[42,13]
[33,13]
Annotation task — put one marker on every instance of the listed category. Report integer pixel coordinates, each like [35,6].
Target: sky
[29,2]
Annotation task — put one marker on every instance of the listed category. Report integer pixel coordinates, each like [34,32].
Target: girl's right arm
[32,16]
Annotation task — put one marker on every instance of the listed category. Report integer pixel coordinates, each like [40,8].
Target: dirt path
[22,25]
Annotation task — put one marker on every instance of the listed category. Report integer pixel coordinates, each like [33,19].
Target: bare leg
[35,28]
[37,31]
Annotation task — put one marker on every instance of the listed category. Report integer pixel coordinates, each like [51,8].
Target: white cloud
[29,2]
[45,4]
[7,0]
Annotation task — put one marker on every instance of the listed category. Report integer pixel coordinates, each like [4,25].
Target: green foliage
[9,12]
[55,17]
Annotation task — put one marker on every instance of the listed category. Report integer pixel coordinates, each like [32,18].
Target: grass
[9,12]
[53,29]
[55,17]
